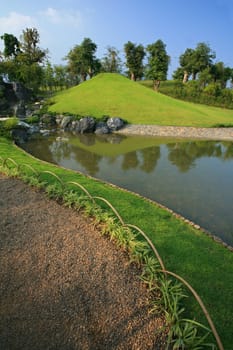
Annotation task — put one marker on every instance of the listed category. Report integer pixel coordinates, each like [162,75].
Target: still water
[194,178]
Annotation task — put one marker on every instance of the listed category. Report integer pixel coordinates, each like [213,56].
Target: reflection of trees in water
[229,150]
[184,154]
[130,160]
[41,148]
[65,150]
[90,161]
[87,139]
[150,158]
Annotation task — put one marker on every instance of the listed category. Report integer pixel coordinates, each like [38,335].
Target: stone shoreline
[179,131]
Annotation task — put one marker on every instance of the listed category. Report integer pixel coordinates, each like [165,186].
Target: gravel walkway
[63,285]
[177,131]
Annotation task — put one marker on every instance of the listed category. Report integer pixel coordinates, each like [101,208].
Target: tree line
[23,60]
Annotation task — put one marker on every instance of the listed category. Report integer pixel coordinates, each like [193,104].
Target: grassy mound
[114,95]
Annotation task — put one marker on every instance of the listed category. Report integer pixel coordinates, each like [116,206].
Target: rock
[115,123]
[48,120]
[34,129]
[87,125]
[20,135]
[65,122]
[24,125]
[20,110]
[101,128]
[45,132]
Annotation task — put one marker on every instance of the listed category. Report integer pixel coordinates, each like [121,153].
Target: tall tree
[23,59]
[31,52]
[111,62]
[82,61]
[203,58]
[158,62]
[134,60]
[194,61]
[187,60]
[11,45]
[221,74]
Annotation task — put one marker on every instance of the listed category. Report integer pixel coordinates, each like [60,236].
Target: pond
[192,177]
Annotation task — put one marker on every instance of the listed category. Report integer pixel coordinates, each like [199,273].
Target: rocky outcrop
[89,125]
[49,123]
[14,97]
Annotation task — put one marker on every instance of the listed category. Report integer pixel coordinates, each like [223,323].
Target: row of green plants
[193,91]
[165,286]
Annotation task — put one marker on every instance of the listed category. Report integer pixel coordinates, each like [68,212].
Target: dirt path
[63,285]
[179,131]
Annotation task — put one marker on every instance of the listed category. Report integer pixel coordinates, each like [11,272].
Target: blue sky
[179,23]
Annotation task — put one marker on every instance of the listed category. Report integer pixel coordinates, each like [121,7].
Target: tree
[134,60]
[221,74]
[111,62]
[31,53]
[186,63]
[23,59]
[82,60]
[194,61]
[158,62]
[48,76]
[203,58]
[11,45]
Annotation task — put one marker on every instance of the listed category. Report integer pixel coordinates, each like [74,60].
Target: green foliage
[32,119]
[111,62]
[10,123]
[82,61]
[194,61]
[11,45]
[23,58]
[157,63]
[134,60]
[195,91]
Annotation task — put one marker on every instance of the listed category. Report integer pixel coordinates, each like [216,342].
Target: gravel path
[177,131]
[63,285]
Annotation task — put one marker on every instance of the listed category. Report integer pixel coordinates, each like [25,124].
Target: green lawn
[205,264]
[114,95]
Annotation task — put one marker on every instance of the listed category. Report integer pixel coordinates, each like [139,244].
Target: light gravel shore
[179,131]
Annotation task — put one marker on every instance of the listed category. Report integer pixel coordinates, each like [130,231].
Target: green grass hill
[115,95]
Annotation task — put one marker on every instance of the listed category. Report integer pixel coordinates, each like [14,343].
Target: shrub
[10,123]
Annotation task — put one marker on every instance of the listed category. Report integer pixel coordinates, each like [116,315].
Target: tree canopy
[134,60]
[82,61]
[158,62]
[23,59]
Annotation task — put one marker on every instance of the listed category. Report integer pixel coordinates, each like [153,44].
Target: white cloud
[64,17]
[15,22]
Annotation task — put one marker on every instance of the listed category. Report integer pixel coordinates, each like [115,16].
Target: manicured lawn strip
[206,265]
[114,95]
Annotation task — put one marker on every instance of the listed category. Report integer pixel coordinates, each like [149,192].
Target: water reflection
[193,178]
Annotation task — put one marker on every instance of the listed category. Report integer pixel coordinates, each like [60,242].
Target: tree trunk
[156,84]
[185,77]
[132,76]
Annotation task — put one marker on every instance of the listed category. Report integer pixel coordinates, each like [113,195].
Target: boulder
[101,128]
[115,123]
[65,122]
[20,135]
[87,125]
